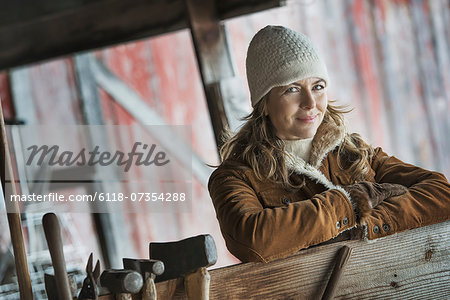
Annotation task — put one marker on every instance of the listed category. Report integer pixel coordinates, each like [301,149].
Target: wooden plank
[433,95]
[39,30]
[402,83]
[363,43]
[410,264]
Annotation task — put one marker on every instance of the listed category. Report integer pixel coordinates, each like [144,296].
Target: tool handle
[341,261]
[123,296]
[148,291]
[14,222]
[197,284]
[55,246]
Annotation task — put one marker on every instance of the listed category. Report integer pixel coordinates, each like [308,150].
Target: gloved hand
[366,195]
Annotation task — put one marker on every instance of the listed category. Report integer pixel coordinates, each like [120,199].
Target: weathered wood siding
[387,59]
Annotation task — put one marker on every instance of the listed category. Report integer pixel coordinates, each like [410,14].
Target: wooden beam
[32,31]
[409,264]
[234,8]
[216,66]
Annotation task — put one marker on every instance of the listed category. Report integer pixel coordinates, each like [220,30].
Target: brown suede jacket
[262,221]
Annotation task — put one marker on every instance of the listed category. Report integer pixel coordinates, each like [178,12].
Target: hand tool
[149,269]
[53,235]
[341,261]
[89,289]
[121,282]
[189,258]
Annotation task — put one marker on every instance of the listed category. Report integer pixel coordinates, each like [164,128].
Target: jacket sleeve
[426,202]
[254,233]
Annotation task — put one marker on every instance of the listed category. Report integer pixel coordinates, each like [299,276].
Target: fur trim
[365,236]
[349,228]
[326,139]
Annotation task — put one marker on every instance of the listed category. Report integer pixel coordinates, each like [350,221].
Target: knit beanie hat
[278,56]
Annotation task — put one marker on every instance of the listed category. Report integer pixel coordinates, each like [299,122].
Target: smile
[307,119]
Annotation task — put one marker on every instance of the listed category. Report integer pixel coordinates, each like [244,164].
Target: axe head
[184,256]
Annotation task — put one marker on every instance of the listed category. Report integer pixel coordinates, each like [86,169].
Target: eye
[292,89]
[318,87]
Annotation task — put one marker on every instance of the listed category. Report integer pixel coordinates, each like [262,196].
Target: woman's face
[297,110]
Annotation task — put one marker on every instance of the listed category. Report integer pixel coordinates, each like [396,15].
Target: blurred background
[387,59]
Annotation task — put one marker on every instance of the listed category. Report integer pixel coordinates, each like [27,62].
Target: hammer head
[184,256]
[121,281]
[144,267]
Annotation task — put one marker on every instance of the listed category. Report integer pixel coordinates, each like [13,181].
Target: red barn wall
[389,60]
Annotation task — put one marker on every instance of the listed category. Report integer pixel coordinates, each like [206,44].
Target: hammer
[189,258]
[149,269]
[121,282]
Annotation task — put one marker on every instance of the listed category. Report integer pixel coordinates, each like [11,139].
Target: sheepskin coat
[263,221]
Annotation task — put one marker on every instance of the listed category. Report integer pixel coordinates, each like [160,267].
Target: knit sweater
[299,148]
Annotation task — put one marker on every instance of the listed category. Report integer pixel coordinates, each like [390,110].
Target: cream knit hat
[278,56]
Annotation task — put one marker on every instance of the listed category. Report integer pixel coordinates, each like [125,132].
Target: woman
[292,177]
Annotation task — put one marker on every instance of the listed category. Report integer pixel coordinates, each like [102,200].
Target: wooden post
[15,225]
[216,67]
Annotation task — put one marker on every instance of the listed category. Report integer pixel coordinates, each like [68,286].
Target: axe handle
[55,246]
[197,284]
[149,289]
[123,296]
[341,261]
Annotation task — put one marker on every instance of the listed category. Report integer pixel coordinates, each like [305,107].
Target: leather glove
[366,195]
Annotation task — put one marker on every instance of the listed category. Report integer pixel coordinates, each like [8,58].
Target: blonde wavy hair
[257,145]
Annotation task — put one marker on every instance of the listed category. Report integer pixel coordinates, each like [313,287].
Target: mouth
[307,119]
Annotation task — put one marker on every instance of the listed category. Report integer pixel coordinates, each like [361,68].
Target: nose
[307,100]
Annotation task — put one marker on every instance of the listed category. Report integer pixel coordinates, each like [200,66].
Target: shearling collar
[328,136]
